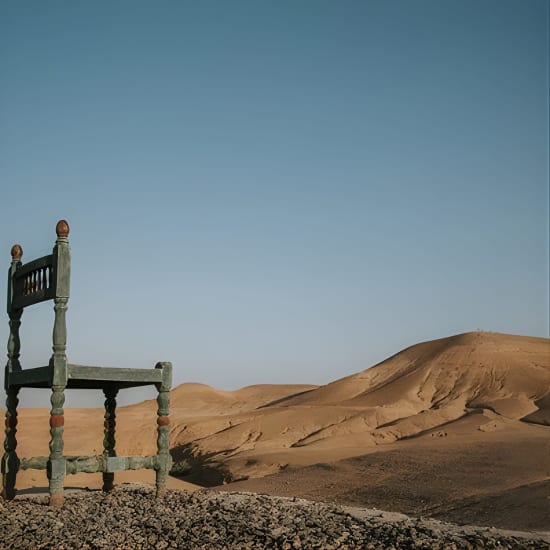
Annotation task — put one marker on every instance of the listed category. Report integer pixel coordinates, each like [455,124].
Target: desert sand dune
[440,399]
[494,380]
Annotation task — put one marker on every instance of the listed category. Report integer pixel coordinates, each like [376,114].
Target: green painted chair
[48,278]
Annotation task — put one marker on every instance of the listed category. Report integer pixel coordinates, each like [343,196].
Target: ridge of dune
[476,359]
[196,399]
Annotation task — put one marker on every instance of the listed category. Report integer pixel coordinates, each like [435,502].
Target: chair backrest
[46,278]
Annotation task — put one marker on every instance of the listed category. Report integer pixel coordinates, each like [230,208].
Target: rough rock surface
[131,517]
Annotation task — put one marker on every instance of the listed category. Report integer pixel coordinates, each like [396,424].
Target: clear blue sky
[269,192]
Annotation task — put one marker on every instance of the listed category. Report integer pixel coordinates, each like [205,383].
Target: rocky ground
[130,517]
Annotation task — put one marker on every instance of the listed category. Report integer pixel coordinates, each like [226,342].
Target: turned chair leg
[10,462]
[164,460]
[56,463]
[109,433]
[163,441]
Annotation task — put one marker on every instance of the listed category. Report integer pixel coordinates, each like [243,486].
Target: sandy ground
[496,481]
[456,428]
[35,481]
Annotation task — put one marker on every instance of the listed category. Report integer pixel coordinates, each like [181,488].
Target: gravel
[130,517]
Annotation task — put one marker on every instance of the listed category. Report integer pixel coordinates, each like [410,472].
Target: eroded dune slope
[473,382]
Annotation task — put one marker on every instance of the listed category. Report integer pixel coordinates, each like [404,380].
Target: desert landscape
[455,429]
[319,230]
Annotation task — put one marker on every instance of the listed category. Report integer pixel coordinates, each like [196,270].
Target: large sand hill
[484,397]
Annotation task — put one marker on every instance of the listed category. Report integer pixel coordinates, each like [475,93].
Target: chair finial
[16,252]
[62,228]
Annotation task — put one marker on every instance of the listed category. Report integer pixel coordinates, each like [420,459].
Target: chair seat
[87,377]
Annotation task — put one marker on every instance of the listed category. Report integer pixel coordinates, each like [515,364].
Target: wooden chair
[48,278]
